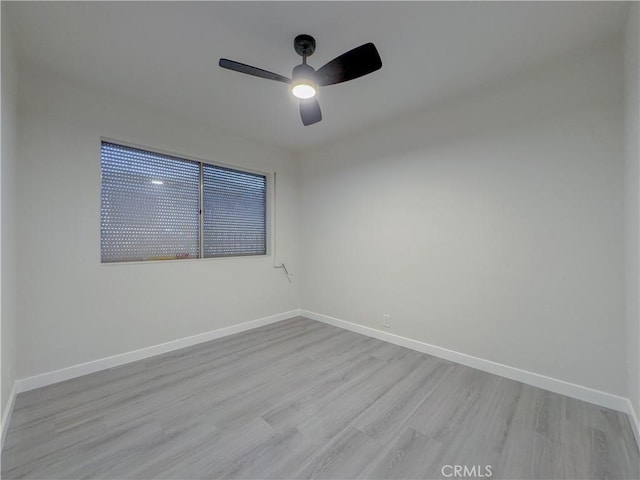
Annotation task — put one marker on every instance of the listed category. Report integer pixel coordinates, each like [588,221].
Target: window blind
[150,205]
[234,212]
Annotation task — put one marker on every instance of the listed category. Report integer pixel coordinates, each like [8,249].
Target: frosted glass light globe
[303,91]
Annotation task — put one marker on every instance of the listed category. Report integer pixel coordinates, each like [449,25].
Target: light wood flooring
[300,399]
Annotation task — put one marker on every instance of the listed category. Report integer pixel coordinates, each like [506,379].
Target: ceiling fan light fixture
[304,90]
[303,84]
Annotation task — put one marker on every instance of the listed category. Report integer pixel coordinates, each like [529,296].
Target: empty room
[292,240]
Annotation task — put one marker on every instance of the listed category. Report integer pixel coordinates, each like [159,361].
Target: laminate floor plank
[534,443]
[289,447]
[301,399]
[345,456]
[410,455]
[385,417]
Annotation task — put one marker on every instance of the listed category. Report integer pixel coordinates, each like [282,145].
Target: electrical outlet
[386,320]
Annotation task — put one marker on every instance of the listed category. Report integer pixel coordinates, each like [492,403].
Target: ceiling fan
[305,80]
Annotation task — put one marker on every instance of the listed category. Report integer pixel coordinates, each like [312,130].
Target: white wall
[7,215]
[632,220]
[73,309]
[491,225]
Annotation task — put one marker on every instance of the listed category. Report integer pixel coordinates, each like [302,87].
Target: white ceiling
[166,53]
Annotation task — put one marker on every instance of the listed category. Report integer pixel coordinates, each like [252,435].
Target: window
[160,207]
[234,212]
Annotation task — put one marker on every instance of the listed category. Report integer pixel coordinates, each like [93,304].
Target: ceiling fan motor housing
[303,82]
[303,72]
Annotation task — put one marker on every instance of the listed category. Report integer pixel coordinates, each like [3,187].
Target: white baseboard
[6,415]
[55,376]
[579,392]
[635,423]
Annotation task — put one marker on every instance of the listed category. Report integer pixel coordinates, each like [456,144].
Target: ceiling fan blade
[355,63]
[310,111]
[249,70]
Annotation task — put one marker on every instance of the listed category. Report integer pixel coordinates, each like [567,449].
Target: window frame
[268,214]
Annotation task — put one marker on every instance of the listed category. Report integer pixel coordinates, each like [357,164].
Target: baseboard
[635,423]
[55,376]
[579,392]
[6,415]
